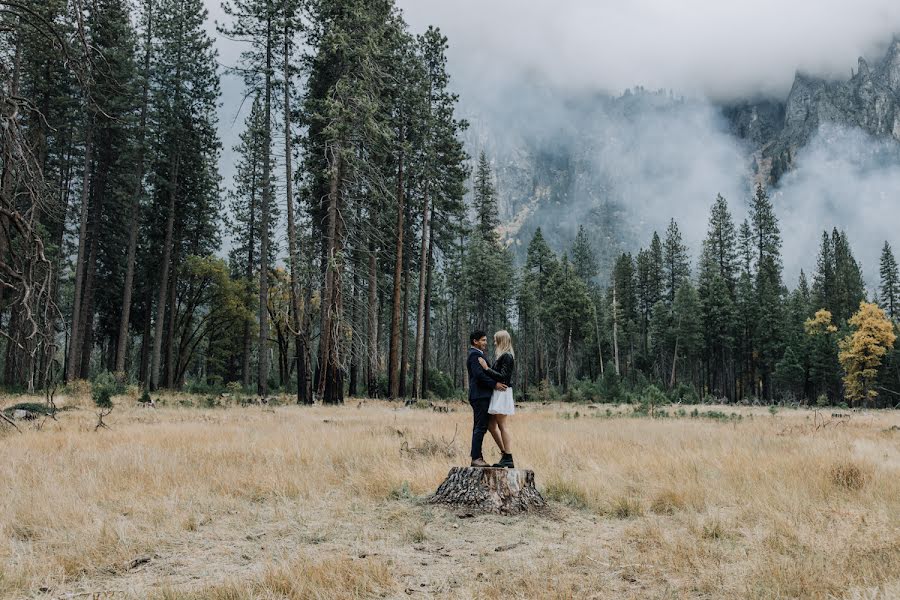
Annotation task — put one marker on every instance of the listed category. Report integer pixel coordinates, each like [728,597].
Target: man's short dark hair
[477,335]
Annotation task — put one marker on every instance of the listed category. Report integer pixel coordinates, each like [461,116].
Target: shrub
[610,386]
[106,383]
[381,387]
[196,386]
[649,401]
[102,398]
[104,387]
[546,392]
[211,402]
[440,384]
[145,397]
[585,390]
[573,395]
[684,394]
[78,388]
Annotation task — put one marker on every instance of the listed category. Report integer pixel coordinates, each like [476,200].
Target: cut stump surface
[490,490]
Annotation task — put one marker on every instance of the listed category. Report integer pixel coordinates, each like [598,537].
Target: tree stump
[491,490]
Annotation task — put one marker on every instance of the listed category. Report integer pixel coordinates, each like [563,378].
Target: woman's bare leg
[495,432]
[500,422]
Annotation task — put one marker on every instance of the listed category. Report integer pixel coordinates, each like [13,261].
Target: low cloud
[845,179]
[710,47]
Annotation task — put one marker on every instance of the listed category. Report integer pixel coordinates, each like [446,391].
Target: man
[481,386]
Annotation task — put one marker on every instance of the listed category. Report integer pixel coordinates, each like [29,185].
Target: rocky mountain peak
[889,69]
[870,100]
[806,97]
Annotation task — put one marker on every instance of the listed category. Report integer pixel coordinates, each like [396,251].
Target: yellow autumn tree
[861,351]
[820,323]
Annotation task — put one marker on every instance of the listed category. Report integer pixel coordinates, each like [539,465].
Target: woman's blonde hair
[503,344]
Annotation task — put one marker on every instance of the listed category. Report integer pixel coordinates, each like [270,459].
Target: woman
[502,404]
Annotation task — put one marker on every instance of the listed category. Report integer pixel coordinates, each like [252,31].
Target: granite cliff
[622,166]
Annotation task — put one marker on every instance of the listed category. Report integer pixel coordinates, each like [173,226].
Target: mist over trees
[364,242]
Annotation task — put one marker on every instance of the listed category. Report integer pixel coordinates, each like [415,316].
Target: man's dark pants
[480,409]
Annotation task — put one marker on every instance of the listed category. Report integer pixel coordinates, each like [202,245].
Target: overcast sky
[721,48]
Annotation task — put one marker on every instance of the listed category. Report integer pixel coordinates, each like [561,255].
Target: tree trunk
[394,349]
[10,360]
[490,490]
[304,373]
[615,312]
[463,346]
[168,241]
[145,344]
[74,358]
[173,314]
[248,274]
[372,344]
[331,381]
[404,333]
[299,345]
[674,365]
[426,331]
[353,380]
[282,355]
[134,222]
[599,343]
[87,301]
[262,384]
[420,312]
[164,279]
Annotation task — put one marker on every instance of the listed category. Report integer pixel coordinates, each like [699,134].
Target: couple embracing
[490,394]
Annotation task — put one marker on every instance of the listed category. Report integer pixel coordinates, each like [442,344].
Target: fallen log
[490,490]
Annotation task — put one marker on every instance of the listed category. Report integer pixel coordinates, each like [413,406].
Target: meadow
[206,498]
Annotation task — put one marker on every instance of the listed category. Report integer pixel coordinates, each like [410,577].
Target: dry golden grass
[293,502]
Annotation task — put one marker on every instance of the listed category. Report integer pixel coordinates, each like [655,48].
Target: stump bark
[491,490]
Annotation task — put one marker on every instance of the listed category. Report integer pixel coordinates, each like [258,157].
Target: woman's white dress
[502,403]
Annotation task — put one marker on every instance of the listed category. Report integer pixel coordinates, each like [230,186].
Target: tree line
[113,208]
[729,330]
[364,243]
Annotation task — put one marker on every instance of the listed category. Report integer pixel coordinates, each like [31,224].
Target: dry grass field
[291,502]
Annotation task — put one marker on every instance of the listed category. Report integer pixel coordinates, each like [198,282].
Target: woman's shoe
[506,462]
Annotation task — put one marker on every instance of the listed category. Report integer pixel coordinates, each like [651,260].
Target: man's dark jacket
[481,385]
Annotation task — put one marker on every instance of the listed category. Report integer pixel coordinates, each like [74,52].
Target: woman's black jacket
[503,369]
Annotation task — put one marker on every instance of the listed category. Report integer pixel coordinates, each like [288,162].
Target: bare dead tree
[26,273]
